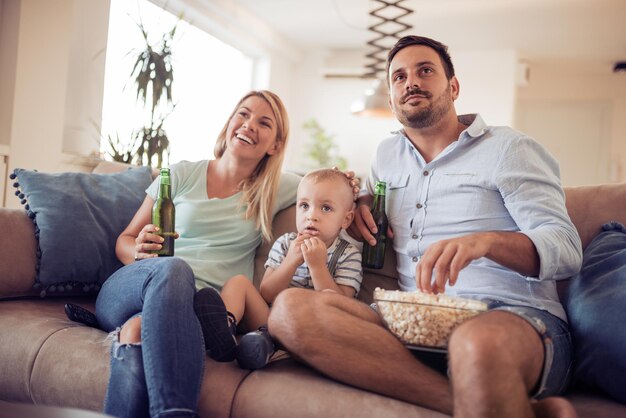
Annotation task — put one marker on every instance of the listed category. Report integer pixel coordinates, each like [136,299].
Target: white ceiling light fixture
[388,29]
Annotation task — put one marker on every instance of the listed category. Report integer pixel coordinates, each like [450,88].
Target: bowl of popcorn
[421,319]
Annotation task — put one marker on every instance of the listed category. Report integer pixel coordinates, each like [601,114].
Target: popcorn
[418,318]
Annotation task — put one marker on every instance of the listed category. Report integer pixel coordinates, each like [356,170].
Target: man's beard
[429,116]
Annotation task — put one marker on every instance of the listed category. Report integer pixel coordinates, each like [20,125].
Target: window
[209,78]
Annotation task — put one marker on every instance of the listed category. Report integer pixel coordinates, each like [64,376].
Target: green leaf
[321,147]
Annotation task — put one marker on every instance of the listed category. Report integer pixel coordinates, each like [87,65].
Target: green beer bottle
[374,257]
[163,214]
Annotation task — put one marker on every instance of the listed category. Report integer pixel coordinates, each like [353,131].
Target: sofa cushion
[77,218]
[595,304]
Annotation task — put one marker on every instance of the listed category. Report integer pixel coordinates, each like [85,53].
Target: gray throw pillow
[78,217]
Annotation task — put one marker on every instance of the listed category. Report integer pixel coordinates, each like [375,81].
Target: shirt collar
[333,245]
[476,126]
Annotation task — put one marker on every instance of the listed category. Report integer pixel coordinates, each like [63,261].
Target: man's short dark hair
[440,49]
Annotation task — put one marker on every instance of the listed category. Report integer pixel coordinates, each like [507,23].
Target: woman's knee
[131,331]
[173,275]
[175,267]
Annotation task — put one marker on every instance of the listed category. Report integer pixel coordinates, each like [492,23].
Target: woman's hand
[148,240]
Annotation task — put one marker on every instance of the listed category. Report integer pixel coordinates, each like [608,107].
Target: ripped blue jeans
[162,375]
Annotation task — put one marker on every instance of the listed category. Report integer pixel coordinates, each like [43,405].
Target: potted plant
[153,72]
[153,76]
[321,148]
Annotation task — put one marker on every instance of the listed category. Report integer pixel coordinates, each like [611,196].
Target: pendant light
[375,102]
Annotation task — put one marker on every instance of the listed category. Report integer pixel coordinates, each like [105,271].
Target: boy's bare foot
[554,407]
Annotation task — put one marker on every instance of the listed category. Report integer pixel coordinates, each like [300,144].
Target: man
[476,211]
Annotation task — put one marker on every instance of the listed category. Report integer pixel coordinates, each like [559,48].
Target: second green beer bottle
[374,256]
[163,215]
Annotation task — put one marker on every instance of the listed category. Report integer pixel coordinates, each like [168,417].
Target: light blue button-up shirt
[490,179]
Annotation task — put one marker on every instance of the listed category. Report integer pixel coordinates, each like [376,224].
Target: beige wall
[8,53]
[52,81]
[488,88]
[8,60]
[578,110]
[52,69]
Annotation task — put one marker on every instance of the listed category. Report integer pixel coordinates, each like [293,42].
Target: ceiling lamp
[388,30]
[375,102]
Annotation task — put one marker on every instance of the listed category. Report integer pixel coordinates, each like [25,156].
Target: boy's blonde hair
[331,174]
[260,189]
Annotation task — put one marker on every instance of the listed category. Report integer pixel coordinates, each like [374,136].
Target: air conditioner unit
[345,64]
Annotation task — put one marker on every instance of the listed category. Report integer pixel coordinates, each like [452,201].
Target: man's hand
[363,226]
[359,229]
[355,182]
[315,252]
[447,258]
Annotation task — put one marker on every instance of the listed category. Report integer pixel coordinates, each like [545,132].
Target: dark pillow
[596,307]
[78,217]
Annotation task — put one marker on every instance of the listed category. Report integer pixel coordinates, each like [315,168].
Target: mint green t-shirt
[215,238]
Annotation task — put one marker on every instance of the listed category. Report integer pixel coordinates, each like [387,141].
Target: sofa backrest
[589,207]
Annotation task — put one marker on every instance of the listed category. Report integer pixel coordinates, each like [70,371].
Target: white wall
[51,85]
[487,81]
[488,84]
[578,111]
[85,76]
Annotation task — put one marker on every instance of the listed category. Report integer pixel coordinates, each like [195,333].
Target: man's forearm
[514,250]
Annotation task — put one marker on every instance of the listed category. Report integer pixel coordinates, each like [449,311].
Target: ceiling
[539,30]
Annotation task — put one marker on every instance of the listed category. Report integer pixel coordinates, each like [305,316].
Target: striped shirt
[347,273]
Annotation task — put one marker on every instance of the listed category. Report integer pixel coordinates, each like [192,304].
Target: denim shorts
[557,343]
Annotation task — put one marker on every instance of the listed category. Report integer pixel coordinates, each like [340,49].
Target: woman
[223,209]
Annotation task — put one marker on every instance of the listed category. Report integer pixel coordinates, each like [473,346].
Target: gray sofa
[46,359]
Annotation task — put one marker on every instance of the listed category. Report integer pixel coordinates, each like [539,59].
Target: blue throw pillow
[596,307]
[78,217]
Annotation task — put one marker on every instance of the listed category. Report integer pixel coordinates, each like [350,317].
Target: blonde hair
[331,174]
[260,189]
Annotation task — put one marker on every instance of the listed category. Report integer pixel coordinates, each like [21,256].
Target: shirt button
[425,172]
[419,206]
[414,236]
[414,259]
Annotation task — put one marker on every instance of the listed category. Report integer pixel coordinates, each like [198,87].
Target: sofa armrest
[18,254]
